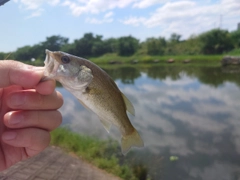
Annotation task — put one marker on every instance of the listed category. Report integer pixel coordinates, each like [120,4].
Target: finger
[47,120]
[17,73]
[34,140]
[46,87]
[32,100]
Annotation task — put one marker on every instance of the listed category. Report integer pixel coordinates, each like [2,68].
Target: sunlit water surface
[192,113]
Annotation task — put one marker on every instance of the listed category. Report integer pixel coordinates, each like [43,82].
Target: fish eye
[65,59]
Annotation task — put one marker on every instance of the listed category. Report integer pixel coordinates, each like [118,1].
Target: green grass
[235,52]
[105,59]
[147,59]
[98,152]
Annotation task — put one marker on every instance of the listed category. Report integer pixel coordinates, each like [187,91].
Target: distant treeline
[216,41]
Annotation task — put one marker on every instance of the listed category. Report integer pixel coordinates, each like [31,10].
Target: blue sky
[27,22]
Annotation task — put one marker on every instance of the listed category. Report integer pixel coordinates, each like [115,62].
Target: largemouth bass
[96,91]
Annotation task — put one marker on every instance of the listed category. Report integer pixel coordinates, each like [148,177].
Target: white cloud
[185,16]
[35,6]
[95,7]
[147,3]
[162,17]
[31,4]
[108,15]
[183,81]
[182,17]
[54,2]
[75,9]
[106,19]
[36,13]
[98,21]
[134,21]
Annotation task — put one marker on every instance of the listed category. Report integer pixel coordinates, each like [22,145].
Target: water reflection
[189,112]
[214,76]
[126,74]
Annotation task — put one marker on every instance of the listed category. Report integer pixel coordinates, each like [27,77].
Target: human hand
[27,112]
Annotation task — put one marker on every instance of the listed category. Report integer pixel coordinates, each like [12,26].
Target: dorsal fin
[129,105]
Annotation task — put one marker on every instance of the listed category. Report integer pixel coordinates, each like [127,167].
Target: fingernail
[9,135]
[15,119]
[17,99]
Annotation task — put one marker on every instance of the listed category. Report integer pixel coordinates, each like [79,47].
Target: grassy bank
[115,59]
[146,59]
[100,153]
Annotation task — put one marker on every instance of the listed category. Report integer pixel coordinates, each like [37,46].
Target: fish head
[69,70]
[59,64]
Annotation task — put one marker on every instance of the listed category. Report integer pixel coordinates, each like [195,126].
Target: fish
[96,91]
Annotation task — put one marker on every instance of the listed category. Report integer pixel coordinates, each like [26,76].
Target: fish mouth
[51,66]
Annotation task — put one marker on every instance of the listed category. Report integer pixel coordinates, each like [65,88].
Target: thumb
[17,73]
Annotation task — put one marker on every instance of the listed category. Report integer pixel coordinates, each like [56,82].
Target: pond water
[192,113]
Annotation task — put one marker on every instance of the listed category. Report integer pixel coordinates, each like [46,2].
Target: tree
[111,45]
[216,41]
[54,43]
[172,44]
[235,37]
[23,53]
[127,45]
[69,48]
[174,38]
[98,47]
[190,46]
[156,46]
[38,51]
[2,55]
[83,46]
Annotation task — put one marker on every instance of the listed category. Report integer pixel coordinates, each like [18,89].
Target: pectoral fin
[84,77]
[106,124]
[129,105]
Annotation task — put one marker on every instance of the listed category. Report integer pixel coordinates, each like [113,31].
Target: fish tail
[131,140]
